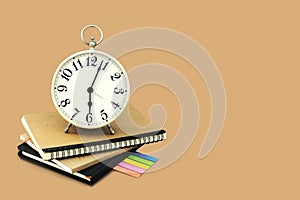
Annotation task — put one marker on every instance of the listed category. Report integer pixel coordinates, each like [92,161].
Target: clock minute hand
[90,90]
[98,70]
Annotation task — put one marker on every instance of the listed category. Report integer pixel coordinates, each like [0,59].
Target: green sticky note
[141,160]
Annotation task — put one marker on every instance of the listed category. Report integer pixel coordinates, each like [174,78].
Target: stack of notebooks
[87,155]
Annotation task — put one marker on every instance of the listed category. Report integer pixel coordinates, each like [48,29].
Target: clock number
[115,105]
[65,102]
[62,88]
[67,73]
[93,61]
[116,76]
[105,65]
[119,90]
[89,118]
[76,112]
[79,63]
[104,115]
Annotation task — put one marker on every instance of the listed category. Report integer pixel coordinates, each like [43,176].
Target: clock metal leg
[110,129]
[68,128]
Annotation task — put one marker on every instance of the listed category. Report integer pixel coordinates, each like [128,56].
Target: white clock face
[90,89]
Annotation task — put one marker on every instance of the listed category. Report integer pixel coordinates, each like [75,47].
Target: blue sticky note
[146,157]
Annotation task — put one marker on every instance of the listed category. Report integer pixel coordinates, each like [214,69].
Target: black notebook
[89,175]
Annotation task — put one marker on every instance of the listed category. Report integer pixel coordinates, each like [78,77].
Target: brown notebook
[75,164]
[46,130]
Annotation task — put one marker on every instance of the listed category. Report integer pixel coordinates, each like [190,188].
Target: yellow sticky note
[135,163]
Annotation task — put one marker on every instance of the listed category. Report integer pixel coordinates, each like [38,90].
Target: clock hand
[90,90]
[98,70]
[98,95]
[90,103]
[114,104]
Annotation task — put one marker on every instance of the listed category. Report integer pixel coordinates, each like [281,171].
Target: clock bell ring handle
[92,43]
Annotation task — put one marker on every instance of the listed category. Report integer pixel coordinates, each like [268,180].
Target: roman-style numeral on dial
[76,112]
[104,115]
[65,102]
[78,63]
[91,60]
[115,105]
[89,118]
[66,74]
[119,90]
[61,88]
[116,76]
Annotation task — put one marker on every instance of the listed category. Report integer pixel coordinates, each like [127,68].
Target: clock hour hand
[90,103]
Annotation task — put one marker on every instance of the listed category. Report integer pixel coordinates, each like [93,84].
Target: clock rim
[74,55]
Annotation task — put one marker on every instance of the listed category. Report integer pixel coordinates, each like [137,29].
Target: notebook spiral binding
[107,146]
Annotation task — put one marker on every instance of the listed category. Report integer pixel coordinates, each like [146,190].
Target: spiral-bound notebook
[75,164]
[88,175]
[46,131]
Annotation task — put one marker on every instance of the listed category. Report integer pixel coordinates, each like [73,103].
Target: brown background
[254,44]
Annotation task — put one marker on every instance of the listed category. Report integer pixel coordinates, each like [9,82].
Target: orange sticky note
[126,171]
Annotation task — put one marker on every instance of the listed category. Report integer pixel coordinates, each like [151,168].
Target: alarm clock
[90,88]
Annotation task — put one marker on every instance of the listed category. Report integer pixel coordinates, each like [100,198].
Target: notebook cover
[95,172]
[46,130]
[74,164]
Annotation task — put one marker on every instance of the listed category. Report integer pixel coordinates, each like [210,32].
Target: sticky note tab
[137,164]
[131,167]
[127,171]
[141,160]
[146,157]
